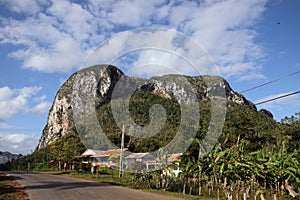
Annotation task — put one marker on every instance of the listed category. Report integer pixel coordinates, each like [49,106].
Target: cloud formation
[13,101]
[56,36]
[289,100]
[18,143]
[153,51]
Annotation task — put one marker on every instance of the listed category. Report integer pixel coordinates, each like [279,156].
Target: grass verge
[10,189]
[127,182]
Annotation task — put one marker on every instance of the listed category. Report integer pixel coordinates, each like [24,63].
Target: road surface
[42,186]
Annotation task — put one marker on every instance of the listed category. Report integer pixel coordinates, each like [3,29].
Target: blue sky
[43,42]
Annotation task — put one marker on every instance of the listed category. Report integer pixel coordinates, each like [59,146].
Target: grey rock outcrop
[8,157]
[60,119]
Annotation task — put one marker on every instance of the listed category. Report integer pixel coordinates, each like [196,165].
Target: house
[85,157]
[84,160]
[139,162]
[109,158]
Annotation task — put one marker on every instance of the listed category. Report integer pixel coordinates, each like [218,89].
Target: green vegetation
[258,157]
[56,153]
[255,156]
[145,182]
[139,109]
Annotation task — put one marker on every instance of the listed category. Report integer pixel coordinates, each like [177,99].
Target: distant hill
[7,156]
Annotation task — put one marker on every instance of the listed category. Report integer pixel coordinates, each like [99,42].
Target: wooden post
[97,171]
[121,173]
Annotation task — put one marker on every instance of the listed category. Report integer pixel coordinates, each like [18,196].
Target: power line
[279,97]
[267,83]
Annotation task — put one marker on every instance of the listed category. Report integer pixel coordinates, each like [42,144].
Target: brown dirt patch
[10,189]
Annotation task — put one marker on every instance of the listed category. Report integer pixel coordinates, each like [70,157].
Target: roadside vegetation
[134,181]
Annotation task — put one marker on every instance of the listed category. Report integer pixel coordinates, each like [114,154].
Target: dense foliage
[139,110]
[262,159]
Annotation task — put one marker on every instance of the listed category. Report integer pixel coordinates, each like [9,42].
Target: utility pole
[121,172]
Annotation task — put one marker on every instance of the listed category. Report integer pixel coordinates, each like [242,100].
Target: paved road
[45,186]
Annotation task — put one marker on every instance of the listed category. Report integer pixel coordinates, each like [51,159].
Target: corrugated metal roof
[109,152]
[90,152]
[138,155]
[175,157]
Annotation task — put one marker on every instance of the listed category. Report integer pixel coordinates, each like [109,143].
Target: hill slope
[100,83]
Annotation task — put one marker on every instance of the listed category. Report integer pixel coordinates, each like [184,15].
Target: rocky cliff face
[60,119]
[100,81]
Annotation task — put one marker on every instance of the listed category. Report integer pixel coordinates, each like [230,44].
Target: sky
[43,42]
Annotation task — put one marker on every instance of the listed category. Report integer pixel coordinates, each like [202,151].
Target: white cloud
[153,51]
[132,13]
[75,20]
[24,6]
[39,98]
[5,93]
[51,41]
[40,108]
[13,101]
[18,142]
[61,57]
[4,125]
[224,29]
[31,32]
[292,100]
[61,33]
[281,107]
